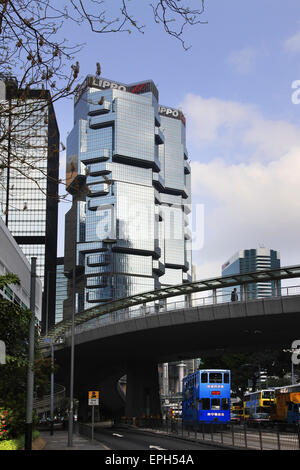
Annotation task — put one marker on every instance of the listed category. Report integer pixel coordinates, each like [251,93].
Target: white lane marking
[157,448]
[117,435]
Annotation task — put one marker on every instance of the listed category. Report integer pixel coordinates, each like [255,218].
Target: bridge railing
[187,301]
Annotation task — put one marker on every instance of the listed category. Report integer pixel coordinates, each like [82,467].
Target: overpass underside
[135,347]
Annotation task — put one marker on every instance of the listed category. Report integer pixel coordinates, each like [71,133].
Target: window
[215,403]
[225,403]
[215,378]
[205,404]
[204,378]
[226,378]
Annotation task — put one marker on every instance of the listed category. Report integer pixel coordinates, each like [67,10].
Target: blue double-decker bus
[206,397]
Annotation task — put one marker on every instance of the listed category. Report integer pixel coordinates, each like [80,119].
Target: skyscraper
[128,172]
[251,260]
[29,179]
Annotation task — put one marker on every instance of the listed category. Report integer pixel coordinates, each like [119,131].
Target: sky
[239,88]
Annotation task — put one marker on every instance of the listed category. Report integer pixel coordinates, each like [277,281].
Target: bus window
[205,404]
[204,378]
[215,378]
[215,403]
[226,378]
[225,403]
[268,394]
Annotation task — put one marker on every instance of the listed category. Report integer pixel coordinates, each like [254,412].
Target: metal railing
[245,435]
[43,404]
[190,301]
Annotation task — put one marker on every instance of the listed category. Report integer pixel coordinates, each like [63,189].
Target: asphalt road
[122,438]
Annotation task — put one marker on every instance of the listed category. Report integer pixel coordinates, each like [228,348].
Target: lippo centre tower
[128,172]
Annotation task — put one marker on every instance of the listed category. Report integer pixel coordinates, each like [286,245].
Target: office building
[129,175]
[13,260]
[29,180]
[61,289]
[251,260]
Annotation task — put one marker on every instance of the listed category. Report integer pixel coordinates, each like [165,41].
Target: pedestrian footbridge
[132,335]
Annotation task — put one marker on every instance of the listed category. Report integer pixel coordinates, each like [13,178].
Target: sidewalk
[59,441]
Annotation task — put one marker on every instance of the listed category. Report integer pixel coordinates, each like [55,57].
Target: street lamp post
[30,372]
[71,411]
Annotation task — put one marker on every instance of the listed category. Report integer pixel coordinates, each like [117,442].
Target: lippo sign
[172,113]
[104,84]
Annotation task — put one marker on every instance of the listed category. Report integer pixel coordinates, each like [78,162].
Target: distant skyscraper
[128,172]
[61,289]
[28,191]
[247,261]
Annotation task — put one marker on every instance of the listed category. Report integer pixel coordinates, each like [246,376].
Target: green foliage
[14,331]
[17,443]
[246,366]
[8,279]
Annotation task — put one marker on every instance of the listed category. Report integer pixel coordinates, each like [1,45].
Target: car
[235,418]
[262,419]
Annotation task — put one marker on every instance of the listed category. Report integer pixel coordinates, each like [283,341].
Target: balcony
[100,259]
[187,167]
[158,181]
[95,202]
[99,189]
[97,156]
[96,282]
[159,137]
[98,109]
[158,267]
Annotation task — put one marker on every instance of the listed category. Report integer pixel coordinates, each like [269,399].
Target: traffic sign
[94,398]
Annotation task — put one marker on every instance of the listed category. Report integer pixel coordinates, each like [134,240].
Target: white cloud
[292,44]
[251,192]
[252,204]
[241,129]
[243,60]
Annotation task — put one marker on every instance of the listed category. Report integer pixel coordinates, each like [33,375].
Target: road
[122,438]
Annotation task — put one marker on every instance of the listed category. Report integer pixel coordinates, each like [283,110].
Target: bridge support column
[142,390]
[83,409]
[244,293]
[188,300]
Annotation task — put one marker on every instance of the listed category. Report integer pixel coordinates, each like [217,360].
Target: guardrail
[162,307]
[243,436]
[43,404]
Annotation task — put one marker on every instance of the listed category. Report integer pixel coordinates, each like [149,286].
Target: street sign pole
[93,421]
[93,401]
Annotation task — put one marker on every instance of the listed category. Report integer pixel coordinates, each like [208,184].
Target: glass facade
[128,173]
[247,261]
[61,290]
[29,182]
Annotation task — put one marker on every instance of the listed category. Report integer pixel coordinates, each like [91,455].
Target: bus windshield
[215,378]
[268,394]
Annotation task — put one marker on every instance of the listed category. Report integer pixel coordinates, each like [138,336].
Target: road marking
[157,448]
[117,435]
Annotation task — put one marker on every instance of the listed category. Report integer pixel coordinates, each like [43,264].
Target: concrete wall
[13,260]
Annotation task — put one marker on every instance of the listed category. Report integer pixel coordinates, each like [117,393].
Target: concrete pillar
[142,392]
[181,369]
[166,378]
[214,296]
[188,300]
